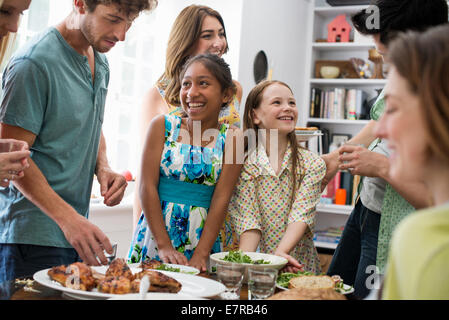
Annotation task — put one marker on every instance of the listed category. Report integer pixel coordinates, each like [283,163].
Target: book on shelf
[330,235]
[338,104]
[344,180]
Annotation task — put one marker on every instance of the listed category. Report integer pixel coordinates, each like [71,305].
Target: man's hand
[361,161]
[87,239]
[112,186]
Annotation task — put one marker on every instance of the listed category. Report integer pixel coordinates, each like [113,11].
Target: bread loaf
[312,282]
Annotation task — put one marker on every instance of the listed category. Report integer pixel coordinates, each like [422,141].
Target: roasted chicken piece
[159,282]
[150,264]
[119,268]
[76,276]
[115,285]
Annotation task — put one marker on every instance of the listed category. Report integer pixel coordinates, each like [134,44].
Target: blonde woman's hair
[185,32]
[6,45]
[422,59]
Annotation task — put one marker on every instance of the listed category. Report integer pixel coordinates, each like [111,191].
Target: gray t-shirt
[373,188]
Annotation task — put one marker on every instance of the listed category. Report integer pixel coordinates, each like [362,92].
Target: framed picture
[339,139]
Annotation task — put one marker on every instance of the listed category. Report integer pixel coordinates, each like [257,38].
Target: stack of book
[338,104]
[330,235]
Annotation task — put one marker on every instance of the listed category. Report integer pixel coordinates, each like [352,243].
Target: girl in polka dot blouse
[273,206]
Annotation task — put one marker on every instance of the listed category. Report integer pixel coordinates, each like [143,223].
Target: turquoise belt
[191,194]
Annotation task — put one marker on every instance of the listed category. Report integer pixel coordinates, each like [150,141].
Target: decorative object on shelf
[362,68]
[340,196]
[338,3]
[347,70]
[329,72]
[306,133]
[378,61]
[260,68]
[340,139]
[339,29]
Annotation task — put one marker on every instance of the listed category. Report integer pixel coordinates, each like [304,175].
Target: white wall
[280,29]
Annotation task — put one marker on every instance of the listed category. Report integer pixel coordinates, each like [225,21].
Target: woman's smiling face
[403,126]
[212,38]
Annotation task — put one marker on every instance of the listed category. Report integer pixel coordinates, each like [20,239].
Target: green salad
[164,267]
[240,257]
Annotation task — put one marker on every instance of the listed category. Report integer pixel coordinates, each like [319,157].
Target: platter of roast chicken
[120,280]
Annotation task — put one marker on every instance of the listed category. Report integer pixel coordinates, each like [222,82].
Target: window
[132,74]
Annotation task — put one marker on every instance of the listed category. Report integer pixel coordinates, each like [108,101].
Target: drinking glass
[261,283]
[231,275]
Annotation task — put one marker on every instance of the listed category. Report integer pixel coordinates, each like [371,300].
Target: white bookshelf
[320,14]
[326,11]
[339,121]
[349,46]
[334,209]
[325,245]
[349,82]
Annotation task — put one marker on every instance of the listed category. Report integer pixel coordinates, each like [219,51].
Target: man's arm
[87,239]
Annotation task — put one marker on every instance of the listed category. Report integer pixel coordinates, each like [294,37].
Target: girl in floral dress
[186,184]
[273,207]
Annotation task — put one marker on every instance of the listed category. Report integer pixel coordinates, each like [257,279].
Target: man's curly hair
[128,6]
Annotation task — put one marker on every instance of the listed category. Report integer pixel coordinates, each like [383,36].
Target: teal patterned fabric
[394,209]
[184,221]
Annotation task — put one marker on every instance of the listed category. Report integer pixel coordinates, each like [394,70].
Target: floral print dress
[184,223]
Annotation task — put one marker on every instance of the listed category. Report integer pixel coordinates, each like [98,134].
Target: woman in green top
[382,202]
[415,123]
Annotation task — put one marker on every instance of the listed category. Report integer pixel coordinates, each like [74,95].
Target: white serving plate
[347,289]
[192,285]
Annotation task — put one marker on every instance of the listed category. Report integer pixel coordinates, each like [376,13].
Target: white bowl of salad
[254,260]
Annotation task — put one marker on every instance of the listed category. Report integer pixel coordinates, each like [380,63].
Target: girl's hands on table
[199,262]
[292,265]
[170,255]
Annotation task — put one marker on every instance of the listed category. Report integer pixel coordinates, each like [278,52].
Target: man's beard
[87,31]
